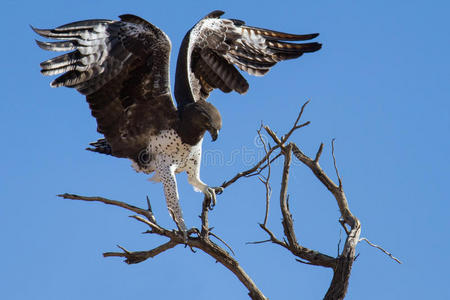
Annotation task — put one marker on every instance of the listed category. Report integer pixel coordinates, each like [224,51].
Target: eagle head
[211,118]
[201,116]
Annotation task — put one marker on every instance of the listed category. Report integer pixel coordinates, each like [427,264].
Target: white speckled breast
[168,148]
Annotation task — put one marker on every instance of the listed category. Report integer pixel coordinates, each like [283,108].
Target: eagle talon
[218,190]
[180,225]
[211,195]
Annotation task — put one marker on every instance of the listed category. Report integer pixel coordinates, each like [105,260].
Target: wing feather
[122,68]
[222,44]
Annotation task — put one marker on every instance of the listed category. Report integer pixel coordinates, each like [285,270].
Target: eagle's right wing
[123,69]
[213,47]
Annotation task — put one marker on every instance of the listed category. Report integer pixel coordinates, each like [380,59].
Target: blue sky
[380,86]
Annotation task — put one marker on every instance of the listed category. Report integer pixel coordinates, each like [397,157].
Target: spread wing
[123,69]
[212,48]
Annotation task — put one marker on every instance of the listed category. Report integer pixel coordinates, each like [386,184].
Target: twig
[339,243]
[287,222]
[140,256]
[204,233]
[380,248]
[143,212]
[334,162]
[319,153]
[217,237]
[272,236]
[296,126]
[152,216]
[249,171]
[258,242]
[266,180]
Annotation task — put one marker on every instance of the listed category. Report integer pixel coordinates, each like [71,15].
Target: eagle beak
[214,134]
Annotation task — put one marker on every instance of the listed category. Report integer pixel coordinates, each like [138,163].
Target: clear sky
[380,86]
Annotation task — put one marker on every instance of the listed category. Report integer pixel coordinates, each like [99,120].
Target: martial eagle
[122,67]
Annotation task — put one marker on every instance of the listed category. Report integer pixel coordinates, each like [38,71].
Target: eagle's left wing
[211,48]
[123,69]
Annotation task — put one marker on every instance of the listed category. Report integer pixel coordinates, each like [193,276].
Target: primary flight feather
[123,69]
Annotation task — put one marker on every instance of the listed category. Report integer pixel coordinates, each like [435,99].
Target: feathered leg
[193,172]
[167,176]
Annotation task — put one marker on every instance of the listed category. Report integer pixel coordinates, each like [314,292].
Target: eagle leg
[167,175]
[180,224]
[209,192]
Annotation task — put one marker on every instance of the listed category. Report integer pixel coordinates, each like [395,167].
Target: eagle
[122,67]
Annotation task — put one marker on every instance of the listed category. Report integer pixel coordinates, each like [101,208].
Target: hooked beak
[214,134]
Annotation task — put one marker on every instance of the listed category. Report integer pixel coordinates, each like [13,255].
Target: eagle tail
[100,146]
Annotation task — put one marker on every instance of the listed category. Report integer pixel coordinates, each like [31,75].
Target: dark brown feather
[122,68]
[128,88]
[221,43]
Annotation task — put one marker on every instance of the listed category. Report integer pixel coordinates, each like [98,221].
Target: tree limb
[201,241]
[381,249]
[343,263]
[139,256]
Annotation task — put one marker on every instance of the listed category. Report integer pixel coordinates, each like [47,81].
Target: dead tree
[201,238]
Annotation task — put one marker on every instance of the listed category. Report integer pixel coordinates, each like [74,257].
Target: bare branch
[339,243]
[146,213]
[266,180]
[201,242]
[155,228]
[152,216]
[342,222]
[296,126]
[343,264]
[334,162]
[249,171]
[275,138]
[380,248]
[200,239]
[319,153]
[217,237]
[288,223]
[258,242]
[272,236]
[338,193]
[204,217]
[140,256]
[269,162]
[313,256]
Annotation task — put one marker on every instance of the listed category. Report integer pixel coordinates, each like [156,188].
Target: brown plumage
[213,47]
[122,67]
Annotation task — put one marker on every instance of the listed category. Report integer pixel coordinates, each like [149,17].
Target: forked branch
[342,264]
[198,239]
